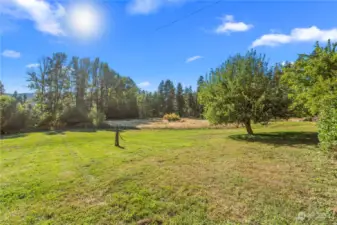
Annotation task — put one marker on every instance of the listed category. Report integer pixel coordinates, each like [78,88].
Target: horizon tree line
[245,89]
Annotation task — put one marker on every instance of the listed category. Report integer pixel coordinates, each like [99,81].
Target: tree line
[170,99]
[245,89]
[76,91]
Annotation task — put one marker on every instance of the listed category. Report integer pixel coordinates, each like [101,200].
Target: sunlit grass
[168,177]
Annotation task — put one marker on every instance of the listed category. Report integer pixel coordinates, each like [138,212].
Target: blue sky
[124,34]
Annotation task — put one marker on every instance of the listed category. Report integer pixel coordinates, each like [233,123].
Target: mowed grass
[168,177]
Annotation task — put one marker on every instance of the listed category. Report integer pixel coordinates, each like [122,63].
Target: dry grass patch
[158,123]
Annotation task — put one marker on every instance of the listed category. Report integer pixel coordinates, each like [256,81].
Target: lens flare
[85,21]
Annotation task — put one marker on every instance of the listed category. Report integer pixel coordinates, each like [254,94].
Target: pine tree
[180,100]
[161,98]
[16,95]
[169,96]
[200,82]
[2,88]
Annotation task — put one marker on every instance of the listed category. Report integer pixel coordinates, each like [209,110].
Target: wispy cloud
[32,65]
[144,6]
[296,35]
[144,84]
[47,17]
[191,59]
[11,54]
[229,25]
[149,6]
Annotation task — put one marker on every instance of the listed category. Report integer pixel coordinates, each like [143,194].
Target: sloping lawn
[168,177]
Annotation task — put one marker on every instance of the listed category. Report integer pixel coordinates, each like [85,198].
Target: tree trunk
[249,127]
[117,137]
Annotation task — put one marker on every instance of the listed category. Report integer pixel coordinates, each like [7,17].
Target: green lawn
[168,177]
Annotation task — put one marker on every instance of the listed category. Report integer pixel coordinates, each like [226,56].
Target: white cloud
[149,6]
[144,84]
[229,25]
[144,6]
[297,35]
[47,17]
[229,17]
[32,65]
[191,59]
[11,54]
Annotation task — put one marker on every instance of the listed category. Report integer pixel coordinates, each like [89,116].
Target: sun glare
[85,21]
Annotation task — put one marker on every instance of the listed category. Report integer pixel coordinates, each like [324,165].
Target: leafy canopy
[312,79]
[243,89]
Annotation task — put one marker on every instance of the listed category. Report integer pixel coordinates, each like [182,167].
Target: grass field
[202,176]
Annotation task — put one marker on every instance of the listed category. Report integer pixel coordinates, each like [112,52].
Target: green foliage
[167,99]
[191,105]
[312,81]
[147,104]
[201,82]
[72,116]
[2,88]
[14,115]
[180,99]
[171,117]
[169,93]
[66,89]
[96,117]
[327,127]
[41,119]
[242,90]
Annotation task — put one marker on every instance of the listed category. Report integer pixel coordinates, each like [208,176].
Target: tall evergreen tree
[180,99]
[2,88]
[161,98]
[169,96]
[16,95]
[200,107]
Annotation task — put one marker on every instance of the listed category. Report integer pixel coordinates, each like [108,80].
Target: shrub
[327,127]
[97,118]
[45,120]
[13,116]
[171,117]
[72,116]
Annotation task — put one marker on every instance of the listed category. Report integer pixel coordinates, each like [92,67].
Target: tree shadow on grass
[55,132]
[12,136]
[280,138]
[88,130]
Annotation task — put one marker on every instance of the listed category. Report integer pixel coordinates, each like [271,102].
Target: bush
[171,117]
[13,116]
[72,116]
[327,127]
[97,118]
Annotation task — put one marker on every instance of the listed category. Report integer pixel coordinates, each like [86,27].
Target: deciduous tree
[241,90]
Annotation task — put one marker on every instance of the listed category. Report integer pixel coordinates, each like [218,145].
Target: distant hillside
[29,95]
